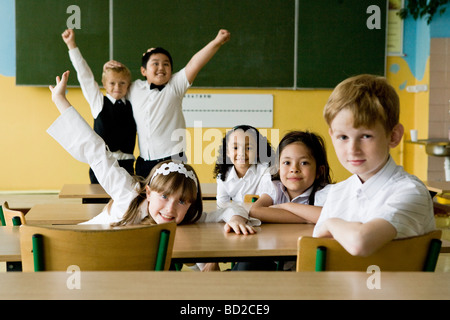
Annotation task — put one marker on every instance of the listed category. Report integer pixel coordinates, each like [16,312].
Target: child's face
[116,84]
[159,70]
[242,149]
[164,208]
[297,169]
[362,151]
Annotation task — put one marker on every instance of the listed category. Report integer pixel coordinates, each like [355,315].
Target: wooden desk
[224,286]
[94,193]
[75,213]
[89,193]
[209,191]
[438,186]
[208,242]
[10,244]
[202,242]
[63,213]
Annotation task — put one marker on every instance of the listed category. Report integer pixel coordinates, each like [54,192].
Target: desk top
[209,241]
[83,191]
[74,213]
[201,242]
[10,244]
[438,186]
[63,213]
[224,285]
[95,191]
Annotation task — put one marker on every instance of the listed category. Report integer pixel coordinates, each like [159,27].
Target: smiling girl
[170,193]
[242,165]
[299,188]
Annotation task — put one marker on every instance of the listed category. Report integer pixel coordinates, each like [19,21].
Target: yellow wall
[32,160]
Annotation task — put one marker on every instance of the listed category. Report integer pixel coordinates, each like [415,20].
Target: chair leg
[433,255]
[321,258]
[16,221]
[162,250]
[38,252]
[2,217]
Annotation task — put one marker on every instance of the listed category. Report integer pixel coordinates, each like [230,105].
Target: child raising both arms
[157,102]
[113,115]
[170,193]
[299,189]
[381,201]
[243,165]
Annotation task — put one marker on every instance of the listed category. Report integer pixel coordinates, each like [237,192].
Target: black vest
[116,125]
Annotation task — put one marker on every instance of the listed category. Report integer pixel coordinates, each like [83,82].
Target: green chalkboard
[259,54]
[41,54]
[274,43]
[335,43]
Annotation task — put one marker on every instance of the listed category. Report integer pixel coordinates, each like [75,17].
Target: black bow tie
[155,86]
[119,102]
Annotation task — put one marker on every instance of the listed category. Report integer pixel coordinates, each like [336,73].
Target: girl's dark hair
[167,184]
[316,146]
[265,152]
[147,55]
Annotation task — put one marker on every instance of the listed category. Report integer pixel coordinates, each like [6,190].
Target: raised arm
[89,86]
[69,38]
[59,92]
[201,58]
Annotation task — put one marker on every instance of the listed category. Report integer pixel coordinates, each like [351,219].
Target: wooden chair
[93,248]
[410,254]
[251,198]
[9,216]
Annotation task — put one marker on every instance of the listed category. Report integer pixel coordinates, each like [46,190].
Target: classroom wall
[32,160]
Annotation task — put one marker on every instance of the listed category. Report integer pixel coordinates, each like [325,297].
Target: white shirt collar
[376,182]
[304,195]
[114,100]
[232,175]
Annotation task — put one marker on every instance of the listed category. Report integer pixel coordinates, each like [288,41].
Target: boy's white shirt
[74,134]
[159,116]
[392,194]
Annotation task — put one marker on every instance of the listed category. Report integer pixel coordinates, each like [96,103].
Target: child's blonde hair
[167,184]
[370,98]
[121,69]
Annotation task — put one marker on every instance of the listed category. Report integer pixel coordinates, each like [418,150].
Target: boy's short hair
[147,55]
[122,69]
[370,98]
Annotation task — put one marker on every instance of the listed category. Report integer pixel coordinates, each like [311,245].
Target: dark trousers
[126,164]
[143,167]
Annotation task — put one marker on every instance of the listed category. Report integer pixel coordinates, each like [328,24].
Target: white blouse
[77,137]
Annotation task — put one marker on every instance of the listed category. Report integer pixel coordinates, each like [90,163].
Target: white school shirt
[391,194]
[257,180]
[159,117]
[84,144]
[92,93]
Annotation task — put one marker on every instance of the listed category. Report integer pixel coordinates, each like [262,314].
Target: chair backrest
[10,214]
[97,248]
[251,198]
[418,253]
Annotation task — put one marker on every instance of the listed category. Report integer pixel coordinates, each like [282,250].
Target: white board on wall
[228,110]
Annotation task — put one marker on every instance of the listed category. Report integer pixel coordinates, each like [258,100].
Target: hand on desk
[239,225]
